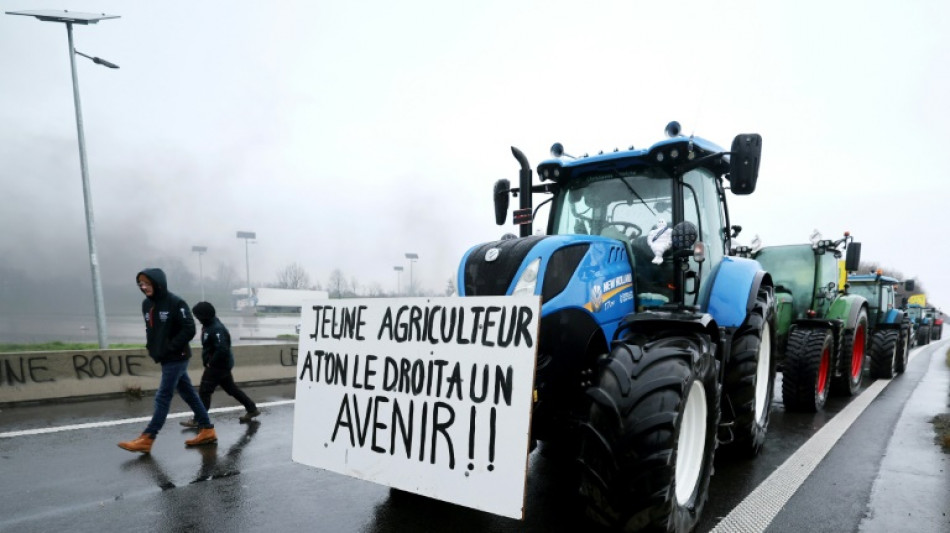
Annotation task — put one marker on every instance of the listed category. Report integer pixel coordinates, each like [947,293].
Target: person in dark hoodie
[168,329]
[218,360]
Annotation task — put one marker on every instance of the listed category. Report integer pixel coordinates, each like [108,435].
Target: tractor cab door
[702,207]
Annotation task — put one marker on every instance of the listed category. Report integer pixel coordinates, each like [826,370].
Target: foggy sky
[347,134]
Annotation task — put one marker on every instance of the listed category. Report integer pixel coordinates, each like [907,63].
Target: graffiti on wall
[33,369]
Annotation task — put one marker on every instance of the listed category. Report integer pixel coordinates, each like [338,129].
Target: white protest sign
[427,395]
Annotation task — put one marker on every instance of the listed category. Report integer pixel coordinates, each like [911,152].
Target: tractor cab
[879,291]
[665,204]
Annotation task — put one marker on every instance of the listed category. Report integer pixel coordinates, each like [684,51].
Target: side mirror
[744,162]
[852,258]
[909,286]
[502,189]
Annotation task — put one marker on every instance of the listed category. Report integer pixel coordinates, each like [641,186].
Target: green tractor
[890,326]
[821,332]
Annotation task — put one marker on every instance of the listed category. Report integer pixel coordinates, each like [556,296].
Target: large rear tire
[647,450]
[749,382]
[806,372]
[847,380]
[884,354]
[923,335]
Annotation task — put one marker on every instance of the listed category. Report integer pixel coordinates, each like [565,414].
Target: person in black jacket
[168,329]
[218,360]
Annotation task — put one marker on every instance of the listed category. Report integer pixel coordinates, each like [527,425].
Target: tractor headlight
[528,280]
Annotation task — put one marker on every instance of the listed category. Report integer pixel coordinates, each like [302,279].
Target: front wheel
[647,450]
[903,348]
[806,372]
[847,380]
[748,385]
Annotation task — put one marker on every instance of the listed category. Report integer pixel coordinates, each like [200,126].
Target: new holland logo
[596,298]
[492,254]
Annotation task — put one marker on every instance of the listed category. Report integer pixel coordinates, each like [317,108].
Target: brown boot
[141,444]
[205,436]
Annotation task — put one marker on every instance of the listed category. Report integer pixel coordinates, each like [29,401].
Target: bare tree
[337,286]
[450,287]
[293,276]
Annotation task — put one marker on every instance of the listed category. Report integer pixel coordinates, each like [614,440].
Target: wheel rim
[690,450]
[823,366]
[762,381]
[857,354]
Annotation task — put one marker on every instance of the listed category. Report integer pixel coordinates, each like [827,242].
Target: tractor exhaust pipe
[523,216]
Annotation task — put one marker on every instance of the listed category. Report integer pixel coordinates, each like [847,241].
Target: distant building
[267,300]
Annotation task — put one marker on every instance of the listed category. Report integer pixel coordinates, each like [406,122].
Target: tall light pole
[69,19]
[201,276]
[398,270]
[412,259]
[247,235]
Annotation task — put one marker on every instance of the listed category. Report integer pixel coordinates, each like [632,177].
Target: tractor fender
[732,289]
[653,321]
[846,308]
[894,317]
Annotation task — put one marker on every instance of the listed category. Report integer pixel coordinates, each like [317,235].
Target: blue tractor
[890,326]
[655,345]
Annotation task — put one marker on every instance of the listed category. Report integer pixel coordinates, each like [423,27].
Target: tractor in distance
[914,309]
[890,329]
[821,331]
[935,319]
[655,346]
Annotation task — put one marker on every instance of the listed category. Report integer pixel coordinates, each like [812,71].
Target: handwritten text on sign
[428,395]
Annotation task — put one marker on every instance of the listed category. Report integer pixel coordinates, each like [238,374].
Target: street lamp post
[412,259]
[247,235]
[201,276]
[398,270]
[69,19]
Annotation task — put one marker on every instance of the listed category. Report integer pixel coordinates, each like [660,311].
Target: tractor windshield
[621,206]
[870,292]
[792,268]
[624,206]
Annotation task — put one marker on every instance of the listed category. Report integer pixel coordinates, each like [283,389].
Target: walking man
[218,361]
[168,329]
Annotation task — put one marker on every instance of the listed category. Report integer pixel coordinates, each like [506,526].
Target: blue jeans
[175,377]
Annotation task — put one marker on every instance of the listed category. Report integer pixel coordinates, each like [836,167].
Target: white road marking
[760,507]
[110,423]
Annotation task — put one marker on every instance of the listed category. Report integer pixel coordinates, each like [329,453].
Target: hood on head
[203,311]
[157,276]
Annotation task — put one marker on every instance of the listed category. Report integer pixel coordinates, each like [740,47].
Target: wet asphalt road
[78,479]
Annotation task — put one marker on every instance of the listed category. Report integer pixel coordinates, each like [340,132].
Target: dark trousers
[212,377]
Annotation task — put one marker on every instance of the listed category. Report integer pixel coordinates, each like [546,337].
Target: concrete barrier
[43,376]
